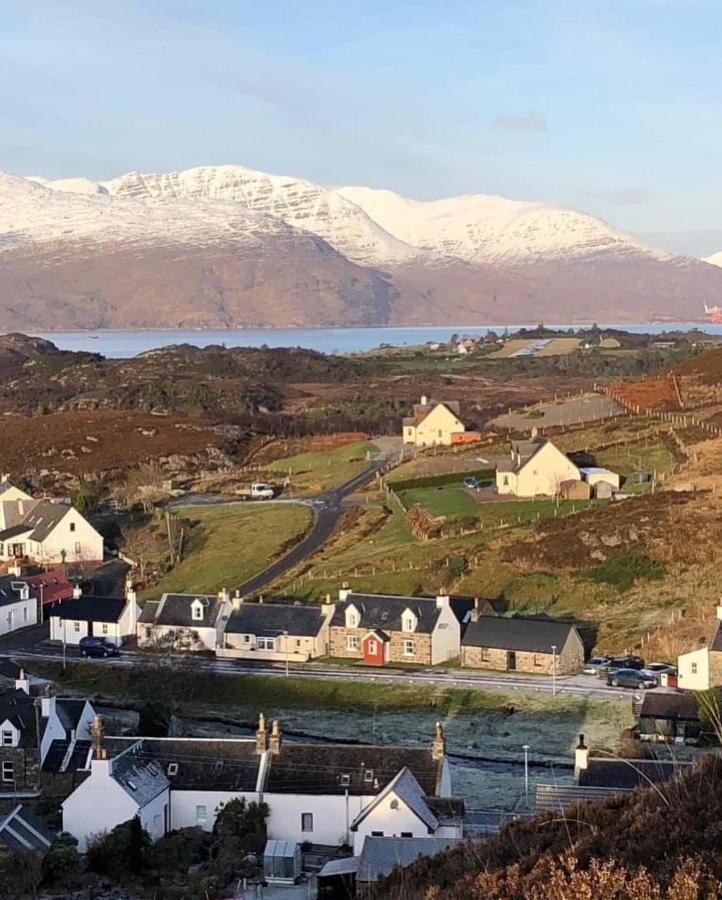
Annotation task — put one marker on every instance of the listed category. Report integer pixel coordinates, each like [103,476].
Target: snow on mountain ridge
[714,260]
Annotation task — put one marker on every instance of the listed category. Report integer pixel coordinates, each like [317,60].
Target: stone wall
[26,769]
[568,661]
[422,645]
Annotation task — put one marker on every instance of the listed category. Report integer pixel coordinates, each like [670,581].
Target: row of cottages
[537,467]
[46,532]
[329,794]
[41,737]
[436,423]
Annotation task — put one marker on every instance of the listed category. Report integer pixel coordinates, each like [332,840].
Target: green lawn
[228,544]
[449,500]
[322,469]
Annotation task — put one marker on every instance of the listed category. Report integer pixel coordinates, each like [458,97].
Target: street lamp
[525,748]
[554,670]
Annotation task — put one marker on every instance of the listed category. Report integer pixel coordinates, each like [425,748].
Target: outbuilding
[520,644]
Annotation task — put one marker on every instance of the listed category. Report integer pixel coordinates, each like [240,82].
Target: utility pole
[554,670]
[525,748]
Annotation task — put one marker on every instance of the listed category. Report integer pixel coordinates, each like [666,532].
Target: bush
[177,851]
[622,569]
[239,830]
[154,719]
[482,475]
[62,863]
[122,853]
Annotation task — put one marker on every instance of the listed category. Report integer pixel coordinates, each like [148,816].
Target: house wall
[568,661]
[331,816]
[437,427]
[390,822]
[446,637]
[115,632]
[54,730]
[154,815]
[98,804]
[68,630]
[298,648]
[505,482]
[190,638]
[395,653]
[544,472]
[18,615]
[26,770]
[693,670]
[611,478]
[183,806]
[83,544]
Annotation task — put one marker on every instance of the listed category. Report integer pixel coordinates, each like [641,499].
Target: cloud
[628,196]
[532,121]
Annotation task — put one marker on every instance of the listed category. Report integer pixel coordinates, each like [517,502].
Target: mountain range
[228,246]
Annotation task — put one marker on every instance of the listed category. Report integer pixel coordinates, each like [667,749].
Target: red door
[374,650]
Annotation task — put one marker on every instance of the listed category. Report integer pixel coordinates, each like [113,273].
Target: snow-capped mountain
[230,246]
[715,259]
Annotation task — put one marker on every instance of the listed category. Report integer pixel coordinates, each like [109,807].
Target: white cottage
[184,621]
[536,468]
[113,618]
[48,532]
[433,423]
[18,608]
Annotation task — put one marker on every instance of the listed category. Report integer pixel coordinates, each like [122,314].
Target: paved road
[579,685]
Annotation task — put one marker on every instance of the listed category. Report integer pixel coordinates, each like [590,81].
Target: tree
[122,853]
[20,874]
[62,863]
[154,719]
[239,829]
[138,845]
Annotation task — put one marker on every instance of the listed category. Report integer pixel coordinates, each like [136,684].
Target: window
[345,780]
[352,618]
[197,611]
[78,548]
[201,815]
[156,823]
[172,769]
[377,834]
[372,646]
[246,638]
[298,642]
[408,623]
[8,738]
[506,481]
[105,628]
[409,648]
[8,771]
[306,821]
[25,613]
[351,642]
[694,668]
[72,526]
[440,433]
[76,626]
[368,775]
[407,834]
[537,659]
[484,651]
[266,643]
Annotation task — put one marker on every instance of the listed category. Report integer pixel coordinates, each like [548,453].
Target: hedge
[483,475]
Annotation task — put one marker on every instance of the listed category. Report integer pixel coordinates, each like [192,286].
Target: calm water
[327,340]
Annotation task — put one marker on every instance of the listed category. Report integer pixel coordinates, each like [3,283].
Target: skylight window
[132,786]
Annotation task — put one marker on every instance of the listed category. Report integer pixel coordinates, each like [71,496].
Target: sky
[609,106]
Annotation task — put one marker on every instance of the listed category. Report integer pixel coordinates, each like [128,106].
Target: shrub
[176,851]
[122,853]
[62,863]
[482,475]
[622,569]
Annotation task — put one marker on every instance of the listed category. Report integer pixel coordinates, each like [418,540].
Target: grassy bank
[316,471]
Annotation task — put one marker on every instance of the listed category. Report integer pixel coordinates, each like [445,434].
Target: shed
[575,490]
[669,716]
[597,474]
[282,862]
[603,490]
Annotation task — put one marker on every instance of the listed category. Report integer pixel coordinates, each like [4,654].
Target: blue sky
[611,106]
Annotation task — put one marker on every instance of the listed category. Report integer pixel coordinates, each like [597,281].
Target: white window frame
[104,628]
[76,627]
[352,618]
[201,814]
[693,668]
[8,771]
[352,642]
[409,642]
[8,737]
[266,643]
[371,646]
[306,822]
[196,612]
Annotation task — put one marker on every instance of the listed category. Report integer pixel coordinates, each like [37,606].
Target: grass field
[322,469]
[228,544]
[449,500]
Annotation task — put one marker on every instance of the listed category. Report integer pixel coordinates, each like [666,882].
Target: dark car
[622,662]
[97,646]
[631,678]
[471,481]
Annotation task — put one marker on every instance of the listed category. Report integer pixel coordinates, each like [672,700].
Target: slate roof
[270,619]
[69,712]
[408,789]
[175,610]
[385,610]
[21,831]
[557,797]
[19,708]
[55,586]
[337,768]
[10,588]
[661,704]
[716,642]
[44,517]
[627,774]
[140,777]
[380,855]
[517,633]
[14,531]
[9,669]
[89,609]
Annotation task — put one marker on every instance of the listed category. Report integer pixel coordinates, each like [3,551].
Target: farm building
[519,644]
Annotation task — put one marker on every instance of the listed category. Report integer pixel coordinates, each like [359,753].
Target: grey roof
[14,531]
[670,704]
[557,797]
[626,774]
[147,615]
[380,855]
[140,777]
[334,867]
[517,633]
[19,708]
[356,768]
[44,517]
[384,611]
[89,609]
[408,789]
[10,588]
[175,610]
[716,642]
[21,832]
[69,712]
[269,619]
[9,669]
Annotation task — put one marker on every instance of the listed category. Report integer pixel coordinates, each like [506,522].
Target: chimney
[581,757]
[47,706]
[442,599]
[719,610]
[424,400]
[345,592]
[224,596]
[237,600]
[438,748]
[96,733]
[275,745]
[475,613]
[261,735]
[534,432]
[77,591]
[22,682]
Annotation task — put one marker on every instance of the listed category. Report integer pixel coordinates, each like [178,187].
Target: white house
[49,532]
[14,503]
[18,607]
[276,631]
[536,467]
[701,669]
[315,792]
[113,618]
[433,423]
[184,621]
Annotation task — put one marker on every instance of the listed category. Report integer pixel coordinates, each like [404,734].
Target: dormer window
[197,611]
[345,780]
[408,621]
[352,617]
[8,736]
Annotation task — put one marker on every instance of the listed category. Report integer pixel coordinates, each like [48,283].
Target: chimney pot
[276,738]
[261,735]
[581,757]
[438,748]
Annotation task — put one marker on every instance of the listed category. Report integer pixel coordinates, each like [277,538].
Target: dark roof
[9,669]
[664,704]
[140,776]
[517,633]
[385,610]
[462,606]
[380,855]
[716,642]
[175,610]
[557,797]
[269,619]
[337,768]
[51,586]
[89,609]
[19,708]
[21,831]
[14,531]
[43,518]
[626,774]
[69,712]
[446,809]
[10,588]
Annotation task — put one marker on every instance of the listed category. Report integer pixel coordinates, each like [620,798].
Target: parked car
[623,662]
[655,669]
[97,646]
[631,678]
[592,666]
[471,482]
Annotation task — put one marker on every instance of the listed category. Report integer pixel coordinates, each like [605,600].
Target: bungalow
[519,644]
[276,631]
[18,608]
[315,792]
[184,621]
[113,618]
[535,467]
[433,423]
[669,716]
[14,503]
[49,532]
[383,628]
[701,669]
